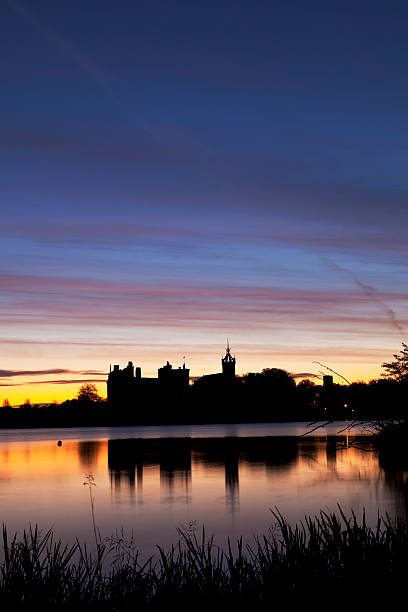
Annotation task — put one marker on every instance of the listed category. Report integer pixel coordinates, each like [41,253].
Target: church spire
[228,363]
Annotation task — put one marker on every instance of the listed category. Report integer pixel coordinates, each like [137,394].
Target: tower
[327,381]
[228,363]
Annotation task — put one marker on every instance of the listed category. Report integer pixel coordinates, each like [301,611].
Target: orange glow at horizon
[50,392]
[44,394]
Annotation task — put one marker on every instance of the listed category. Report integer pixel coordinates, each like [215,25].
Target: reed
[322,556]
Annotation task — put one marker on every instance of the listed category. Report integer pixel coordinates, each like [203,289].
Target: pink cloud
[118,289]
[370,241]
[96,232]
[54,301]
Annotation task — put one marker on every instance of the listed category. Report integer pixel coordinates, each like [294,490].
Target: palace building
[126,386]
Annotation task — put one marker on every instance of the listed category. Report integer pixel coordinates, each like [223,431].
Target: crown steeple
[228,363]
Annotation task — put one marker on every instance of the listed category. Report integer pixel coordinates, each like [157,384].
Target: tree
[6,403]
[280,378]
[88,393]
[270,378]
[398,369]
[306,384]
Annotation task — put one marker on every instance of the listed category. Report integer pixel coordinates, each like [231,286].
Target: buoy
[59,442]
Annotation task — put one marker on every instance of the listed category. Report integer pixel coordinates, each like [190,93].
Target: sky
[176,173]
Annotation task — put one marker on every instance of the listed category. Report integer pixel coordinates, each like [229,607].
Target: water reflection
[154,485]
[175,469]
[128,459]
[174,457]
[88,453]
[394,471]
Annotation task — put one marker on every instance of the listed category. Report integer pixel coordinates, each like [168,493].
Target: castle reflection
[313,463]
[88,453]
[174,458]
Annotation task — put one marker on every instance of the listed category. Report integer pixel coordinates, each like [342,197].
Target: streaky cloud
[98,232]
[11,373]
[305,375]
[372,295]
[67,381]
[371,241]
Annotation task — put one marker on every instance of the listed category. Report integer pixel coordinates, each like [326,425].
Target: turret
[228,363]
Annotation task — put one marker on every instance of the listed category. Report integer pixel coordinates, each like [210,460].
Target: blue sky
[173,173]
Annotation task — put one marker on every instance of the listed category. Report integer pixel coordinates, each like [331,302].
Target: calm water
[152,480]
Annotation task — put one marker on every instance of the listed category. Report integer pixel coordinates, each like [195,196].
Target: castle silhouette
[128,386]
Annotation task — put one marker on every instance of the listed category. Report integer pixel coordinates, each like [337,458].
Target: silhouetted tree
[280,378]
[306,384]
[6,403]
[88,393]
[306,392]
[251,378]
[27,404]
[398,369]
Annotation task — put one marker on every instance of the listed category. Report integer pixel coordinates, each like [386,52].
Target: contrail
[372,294]
[66,47]
[94,72]
[70,50]
[330,370]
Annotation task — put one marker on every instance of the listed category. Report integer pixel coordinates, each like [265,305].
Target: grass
[323,556]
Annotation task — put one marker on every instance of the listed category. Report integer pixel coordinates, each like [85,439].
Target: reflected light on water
[152,486]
